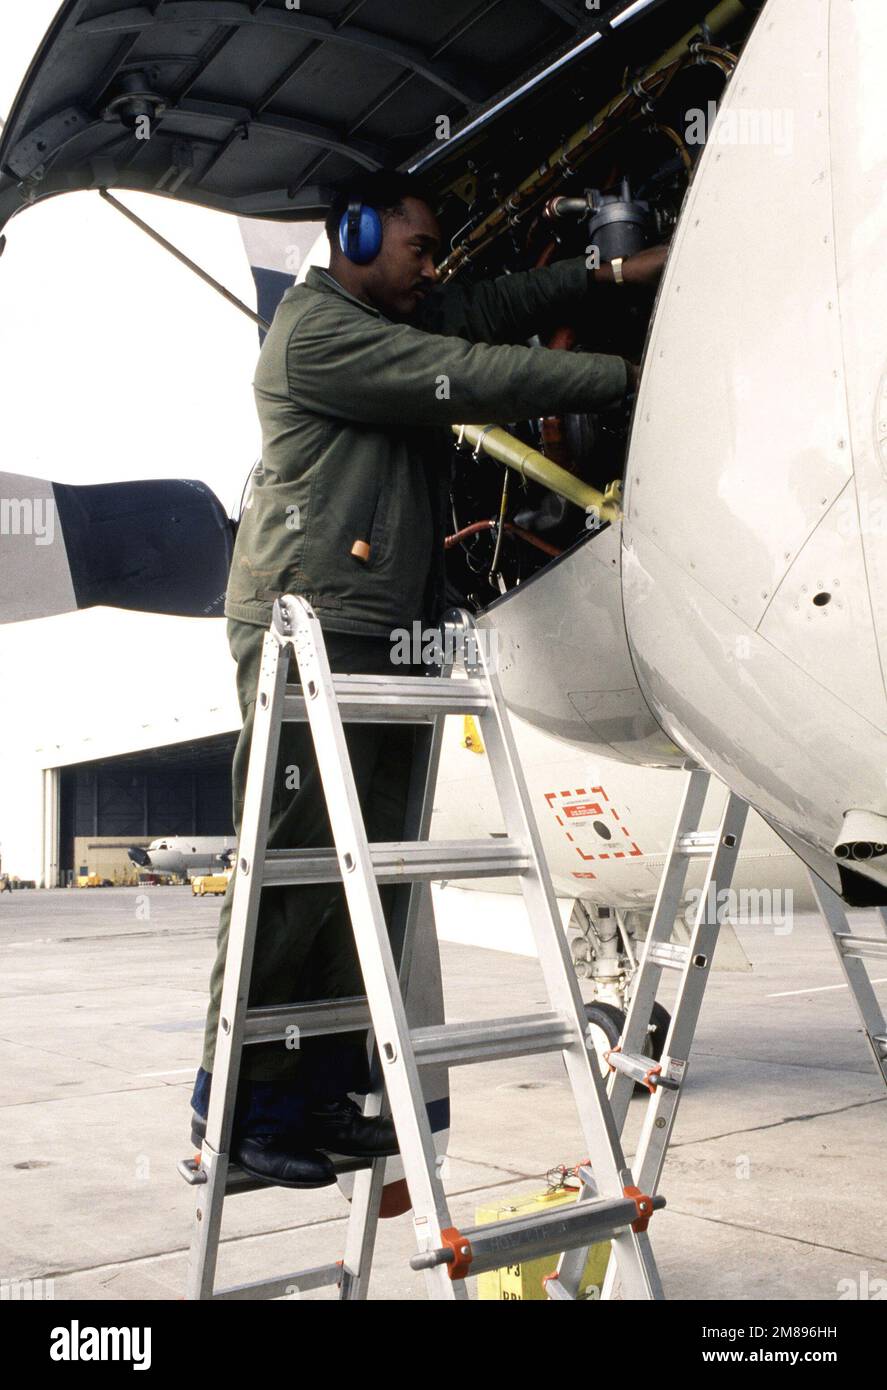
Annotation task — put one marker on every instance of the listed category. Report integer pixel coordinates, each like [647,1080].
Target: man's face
[403,273]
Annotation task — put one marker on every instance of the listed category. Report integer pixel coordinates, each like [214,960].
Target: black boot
[283,1159]
[339,1127]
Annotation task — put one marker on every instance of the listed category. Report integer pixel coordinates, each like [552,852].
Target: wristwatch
[616,264]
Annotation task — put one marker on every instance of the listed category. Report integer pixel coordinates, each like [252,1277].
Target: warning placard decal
[593,826]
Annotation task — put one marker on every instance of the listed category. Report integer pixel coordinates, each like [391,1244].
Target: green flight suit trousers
[304,943]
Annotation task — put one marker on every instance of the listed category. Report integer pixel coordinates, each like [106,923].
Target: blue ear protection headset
[360,233]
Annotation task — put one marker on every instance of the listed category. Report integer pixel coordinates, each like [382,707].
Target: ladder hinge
[460,1265]
[644,1205]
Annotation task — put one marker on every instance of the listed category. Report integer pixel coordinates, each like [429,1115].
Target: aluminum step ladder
[614,1207]
[665,1079]
[628,1064]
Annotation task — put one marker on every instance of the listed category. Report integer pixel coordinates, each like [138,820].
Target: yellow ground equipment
[525,1281]
[203,885]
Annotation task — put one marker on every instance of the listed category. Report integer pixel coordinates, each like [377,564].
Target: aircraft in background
[185,855]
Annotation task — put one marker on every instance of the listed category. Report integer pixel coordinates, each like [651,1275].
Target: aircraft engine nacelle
[754,559]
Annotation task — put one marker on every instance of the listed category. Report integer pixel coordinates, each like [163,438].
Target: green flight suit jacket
[351,406]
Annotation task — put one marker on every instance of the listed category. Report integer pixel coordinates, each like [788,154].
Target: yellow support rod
[504,448]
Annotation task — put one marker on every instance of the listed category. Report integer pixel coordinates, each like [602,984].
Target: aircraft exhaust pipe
[866,849]
[863,836]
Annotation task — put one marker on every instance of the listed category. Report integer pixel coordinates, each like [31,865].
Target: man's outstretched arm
[367,370]
[511,307]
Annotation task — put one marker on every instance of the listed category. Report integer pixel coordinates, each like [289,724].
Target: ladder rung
[239,1181]
[874,948]
[320,1277]
[396,699]
[454,1043]
[270,1023]
[643,1069]
[669,955]
[696,842]
[488,1040]
[400,860]
[528,1237]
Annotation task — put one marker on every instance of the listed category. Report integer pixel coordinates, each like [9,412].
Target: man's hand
[645,267]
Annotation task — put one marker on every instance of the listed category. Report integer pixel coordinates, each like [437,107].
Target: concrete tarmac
[775,1179]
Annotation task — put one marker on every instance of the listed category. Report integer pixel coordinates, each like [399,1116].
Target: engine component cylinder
[618,225]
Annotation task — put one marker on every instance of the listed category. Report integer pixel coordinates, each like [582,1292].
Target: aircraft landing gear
[604,953]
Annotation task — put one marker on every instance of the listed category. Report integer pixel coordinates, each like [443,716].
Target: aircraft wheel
[607,1023]
[660,1019]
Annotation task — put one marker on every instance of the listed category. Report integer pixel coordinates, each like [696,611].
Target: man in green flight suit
[363,365]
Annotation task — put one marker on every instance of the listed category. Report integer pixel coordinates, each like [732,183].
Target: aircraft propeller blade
[154,546]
